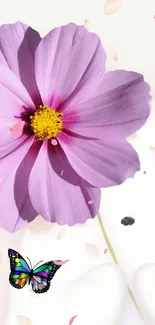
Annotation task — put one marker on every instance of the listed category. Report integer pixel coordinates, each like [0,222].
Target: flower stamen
[46,123]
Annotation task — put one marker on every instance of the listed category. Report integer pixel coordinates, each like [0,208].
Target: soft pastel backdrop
[85,286]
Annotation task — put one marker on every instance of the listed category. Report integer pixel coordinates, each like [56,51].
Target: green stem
[111,250]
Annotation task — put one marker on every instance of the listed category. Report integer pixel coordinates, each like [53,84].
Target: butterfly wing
[20,270]
[42,276]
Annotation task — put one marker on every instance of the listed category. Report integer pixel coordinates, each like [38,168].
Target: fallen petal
[23,320]
[62,233]
[152,149]
[92,249]
[72,319]
[111,6]
[90,202]
[60,262]
[114,56]
[62,172]
[86,24]
[17,129]
[132,136]
[54,142]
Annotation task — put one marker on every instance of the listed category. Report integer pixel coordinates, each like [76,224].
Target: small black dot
[127,221]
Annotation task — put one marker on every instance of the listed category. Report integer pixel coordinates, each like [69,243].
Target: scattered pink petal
[62,172]
[23,320]
[114,56]
[17,129]
[92,249]
[152,149]
[90,202]
[72,319]
[54,142]
[111,6]
[86,23]
[60,262]
[62,232]
[105,251]
[132,136]
[144,172]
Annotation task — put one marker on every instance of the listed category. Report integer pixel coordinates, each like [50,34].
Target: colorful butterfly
[21,273]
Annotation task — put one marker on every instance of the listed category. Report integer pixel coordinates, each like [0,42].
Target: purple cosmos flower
[63,123]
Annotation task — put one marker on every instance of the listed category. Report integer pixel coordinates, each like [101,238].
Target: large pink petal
[119,107]
[18,43]
[70,61]
[13,96]
[14,100]
[102,163]
[57,192]
[15,206]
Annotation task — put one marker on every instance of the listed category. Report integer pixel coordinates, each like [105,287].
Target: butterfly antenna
[29,261]
[37,264]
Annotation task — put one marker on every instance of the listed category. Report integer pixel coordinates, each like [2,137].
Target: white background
[128,36]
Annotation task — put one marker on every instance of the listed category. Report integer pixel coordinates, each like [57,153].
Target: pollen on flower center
[46,122]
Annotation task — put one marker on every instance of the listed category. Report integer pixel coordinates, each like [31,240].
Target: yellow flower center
[46,123]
